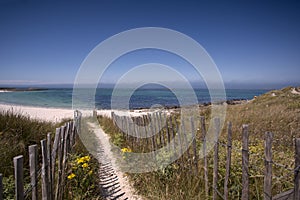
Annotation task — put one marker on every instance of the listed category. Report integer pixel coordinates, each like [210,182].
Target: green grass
[279,114]
[17,132]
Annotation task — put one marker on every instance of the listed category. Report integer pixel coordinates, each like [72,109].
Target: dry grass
[279,114]
[275,111]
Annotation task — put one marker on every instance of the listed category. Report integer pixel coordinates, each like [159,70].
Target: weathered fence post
[172,131]
[152,132]
[72,134]
[297,168]
[194,145]
[124,127]
[185,139]
[60,160]
[165,128]
[1,188]
[216,158]
[157,127]
[154,128]
[54,152]
[94,113]
[112,114]
[167,131]
[33,165]
[135,129]
[228,159]
[179,133]
[19,176]
[65,158]
[145,128]
[49,158]
[203,129]
[245,163]
[268,166]
[160,128]
[45,178]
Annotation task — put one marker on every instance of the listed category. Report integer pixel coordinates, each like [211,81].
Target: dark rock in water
[236,101]
[207,104]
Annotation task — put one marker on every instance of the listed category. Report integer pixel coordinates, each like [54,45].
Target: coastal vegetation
[19,131]
[277,111]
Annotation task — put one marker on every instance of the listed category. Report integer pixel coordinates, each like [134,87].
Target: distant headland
[10,89]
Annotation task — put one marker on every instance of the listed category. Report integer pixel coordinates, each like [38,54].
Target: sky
[254,44]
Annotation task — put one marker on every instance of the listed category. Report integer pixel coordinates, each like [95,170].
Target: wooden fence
[160,134]
[53,167]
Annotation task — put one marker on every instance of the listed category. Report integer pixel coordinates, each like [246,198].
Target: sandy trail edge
[107,158]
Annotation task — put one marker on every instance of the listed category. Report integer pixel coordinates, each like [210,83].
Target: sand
[58,114]
[45,114]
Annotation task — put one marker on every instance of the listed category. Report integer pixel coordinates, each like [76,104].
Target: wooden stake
[297,168]
[245,163]
[33,165]
[19,176]
[228,160]
[268,166]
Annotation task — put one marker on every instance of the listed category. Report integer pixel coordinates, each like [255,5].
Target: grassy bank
[18,132]
[276,111]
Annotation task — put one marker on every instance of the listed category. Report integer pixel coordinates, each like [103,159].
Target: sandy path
[114,183]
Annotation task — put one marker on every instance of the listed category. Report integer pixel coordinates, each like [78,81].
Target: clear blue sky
[254,44]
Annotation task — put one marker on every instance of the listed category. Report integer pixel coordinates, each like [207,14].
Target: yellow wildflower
[80,160]
[87,158]
[90,172]
[126,150]
[71,176]
[83,159]
[85,165]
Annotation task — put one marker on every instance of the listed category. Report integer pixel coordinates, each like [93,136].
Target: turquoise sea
[141,98]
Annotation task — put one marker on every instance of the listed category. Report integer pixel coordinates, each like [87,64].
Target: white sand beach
[57,114]
[46,114]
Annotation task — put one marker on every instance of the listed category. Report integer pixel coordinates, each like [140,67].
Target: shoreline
[56,114]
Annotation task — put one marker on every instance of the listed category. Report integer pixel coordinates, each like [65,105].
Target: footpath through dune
[113,182]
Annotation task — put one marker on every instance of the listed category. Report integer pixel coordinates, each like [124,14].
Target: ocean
[141,98]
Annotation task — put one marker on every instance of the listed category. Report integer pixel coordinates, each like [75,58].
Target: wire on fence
[29,189]
[232,147]
[282,166]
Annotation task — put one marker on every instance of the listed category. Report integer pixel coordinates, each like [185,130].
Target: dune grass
[18,132]
[276,111]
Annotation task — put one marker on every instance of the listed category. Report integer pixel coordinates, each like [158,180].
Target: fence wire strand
[29,189]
